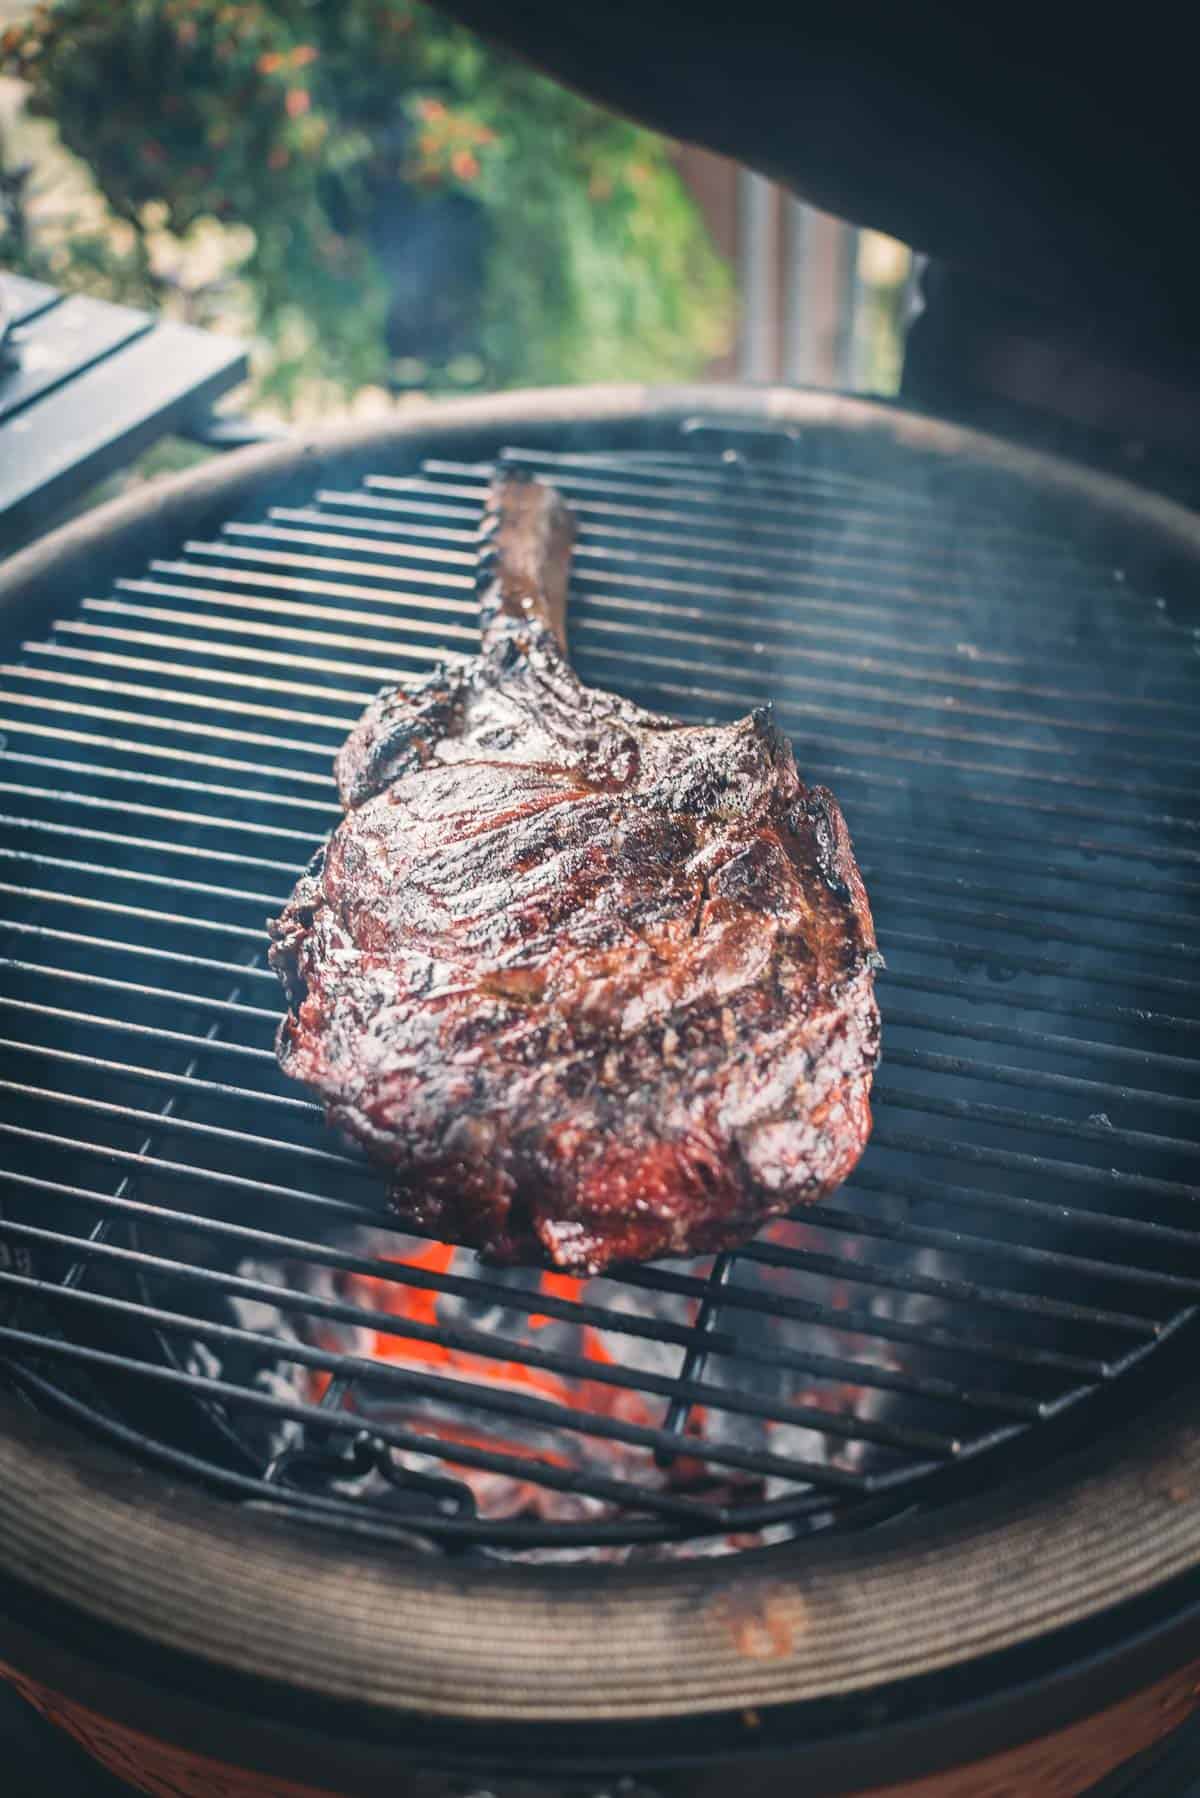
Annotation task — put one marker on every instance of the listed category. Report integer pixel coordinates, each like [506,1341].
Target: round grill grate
[193,1266]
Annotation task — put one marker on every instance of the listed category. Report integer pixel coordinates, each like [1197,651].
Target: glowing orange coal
[419,1306]
[556,1286]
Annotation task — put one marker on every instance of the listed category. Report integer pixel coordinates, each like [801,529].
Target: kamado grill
[909,1483]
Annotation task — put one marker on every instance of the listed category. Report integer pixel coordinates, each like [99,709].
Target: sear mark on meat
[588,984]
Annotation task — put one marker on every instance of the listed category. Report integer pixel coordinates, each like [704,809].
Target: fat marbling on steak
[588,984]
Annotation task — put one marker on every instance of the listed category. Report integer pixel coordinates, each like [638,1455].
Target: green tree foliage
[310,123]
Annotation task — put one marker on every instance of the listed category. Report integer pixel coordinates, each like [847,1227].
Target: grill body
[991,659]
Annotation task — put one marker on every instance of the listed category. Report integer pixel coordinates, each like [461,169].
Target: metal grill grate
[190,1263]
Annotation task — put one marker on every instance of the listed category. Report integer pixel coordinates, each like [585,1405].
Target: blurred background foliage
[377,197]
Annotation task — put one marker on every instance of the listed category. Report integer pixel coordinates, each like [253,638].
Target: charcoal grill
[214,1490]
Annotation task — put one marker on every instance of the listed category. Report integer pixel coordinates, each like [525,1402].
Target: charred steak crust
[590,985]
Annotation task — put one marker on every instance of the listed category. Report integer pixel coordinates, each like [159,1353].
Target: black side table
[85,386]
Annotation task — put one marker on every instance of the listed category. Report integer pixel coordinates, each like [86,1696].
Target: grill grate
[191,1264]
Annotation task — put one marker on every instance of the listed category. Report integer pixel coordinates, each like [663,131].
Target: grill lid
[195,1270]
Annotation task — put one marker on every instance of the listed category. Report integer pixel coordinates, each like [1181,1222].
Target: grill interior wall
[1010,726]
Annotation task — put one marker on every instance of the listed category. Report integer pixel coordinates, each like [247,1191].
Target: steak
[589,985]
